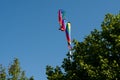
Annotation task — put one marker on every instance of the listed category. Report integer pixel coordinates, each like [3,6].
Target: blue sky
[29,30]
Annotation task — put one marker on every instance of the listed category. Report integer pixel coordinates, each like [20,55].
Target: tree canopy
[97,57]
[13,72]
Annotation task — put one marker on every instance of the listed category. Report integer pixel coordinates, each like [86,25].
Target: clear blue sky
[29,30]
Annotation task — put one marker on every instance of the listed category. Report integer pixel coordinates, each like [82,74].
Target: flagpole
[70,53]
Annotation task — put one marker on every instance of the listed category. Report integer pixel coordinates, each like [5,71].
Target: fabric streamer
[68,34]
[61,19]
[65,26]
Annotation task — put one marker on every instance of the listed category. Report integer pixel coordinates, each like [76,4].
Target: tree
[31,78]
[14,72]
[96,58]
[2,73]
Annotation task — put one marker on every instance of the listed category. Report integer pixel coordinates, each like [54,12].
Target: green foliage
[2,73]
[14,72]
[31,78]
[54,74]
[96,58]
